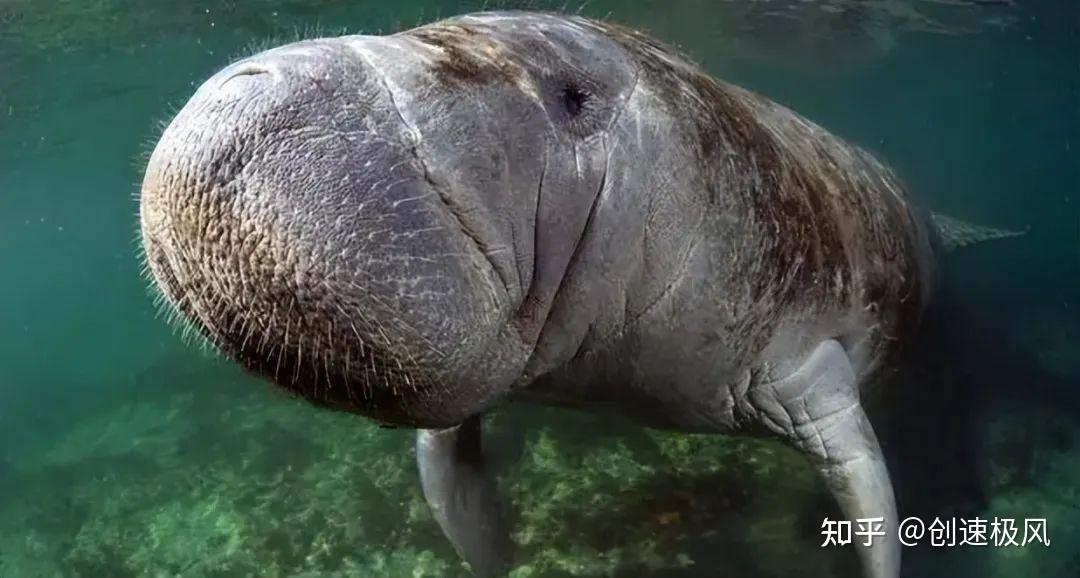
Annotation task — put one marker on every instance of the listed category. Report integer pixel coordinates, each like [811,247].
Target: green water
[125,452]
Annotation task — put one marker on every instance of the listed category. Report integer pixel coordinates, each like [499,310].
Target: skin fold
[528,207]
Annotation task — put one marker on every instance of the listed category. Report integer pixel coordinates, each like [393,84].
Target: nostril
[247,69]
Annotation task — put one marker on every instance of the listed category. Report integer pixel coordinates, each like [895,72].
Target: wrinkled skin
[513,206]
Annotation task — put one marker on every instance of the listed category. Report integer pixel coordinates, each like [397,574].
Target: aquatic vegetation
[230,479]
[631,501]
[216,482]
[235,479]
[1033,475]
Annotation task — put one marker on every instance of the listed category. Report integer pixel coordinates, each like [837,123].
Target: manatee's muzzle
[286,214]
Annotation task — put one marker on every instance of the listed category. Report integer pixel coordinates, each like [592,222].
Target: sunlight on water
[124,452]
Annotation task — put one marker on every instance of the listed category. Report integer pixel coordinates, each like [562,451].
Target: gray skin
[523,207]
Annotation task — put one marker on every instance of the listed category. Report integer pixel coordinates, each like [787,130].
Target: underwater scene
[130,447]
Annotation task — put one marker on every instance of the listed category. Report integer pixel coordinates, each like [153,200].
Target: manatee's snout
[287,213]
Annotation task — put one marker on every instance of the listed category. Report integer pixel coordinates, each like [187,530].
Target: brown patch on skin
[829,227]
[468,56]
[805,254]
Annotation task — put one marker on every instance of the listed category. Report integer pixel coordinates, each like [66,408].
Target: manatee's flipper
[462,496]
[954,233]
[817,410]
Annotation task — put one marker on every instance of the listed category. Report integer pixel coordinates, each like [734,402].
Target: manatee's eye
[574,100]
[577,104]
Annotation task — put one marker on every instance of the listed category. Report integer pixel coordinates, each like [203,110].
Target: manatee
[519,207]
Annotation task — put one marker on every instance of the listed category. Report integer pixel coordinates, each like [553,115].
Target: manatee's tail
[954,233]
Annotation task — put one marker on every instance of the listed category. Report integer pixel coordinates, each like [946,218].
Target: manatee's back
[824,230]
[840,234]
